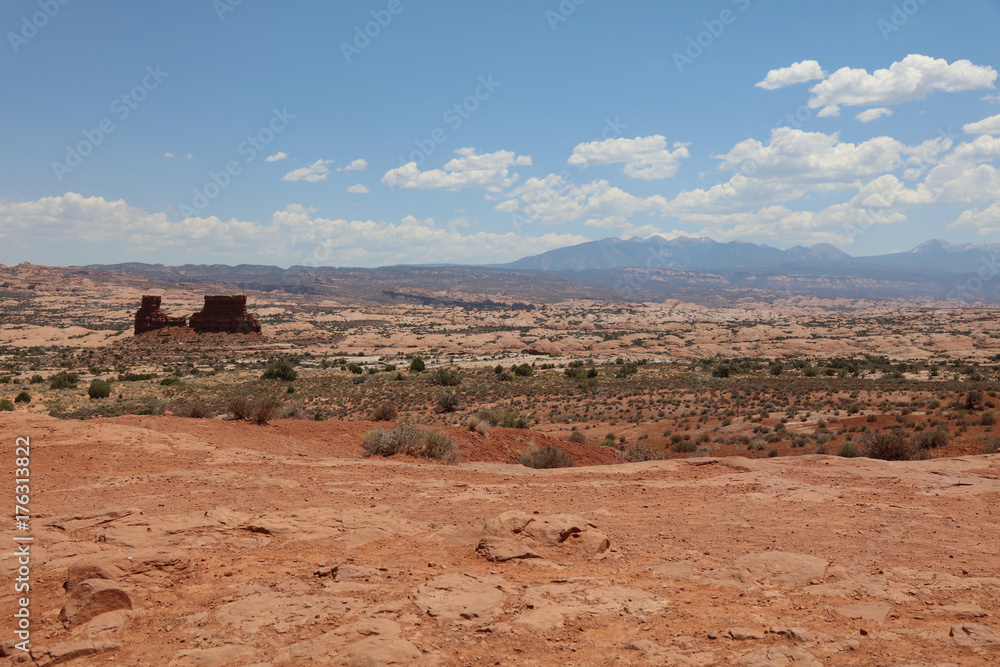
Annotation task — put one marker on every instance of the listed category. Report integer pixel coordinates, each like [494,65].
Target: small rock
[972,635]
[784,569]
[91,598]
[499,550]
[743,633]
[380,651]
[65,651]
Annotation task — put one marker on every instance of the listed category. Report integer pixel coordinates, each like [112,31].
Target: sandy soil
[236,544]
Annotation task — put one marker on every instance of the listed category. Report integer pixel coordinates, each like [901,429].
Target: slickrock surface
[161,541]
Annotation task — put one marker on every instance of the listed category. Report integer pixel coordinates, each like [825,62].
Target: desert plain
[237,500]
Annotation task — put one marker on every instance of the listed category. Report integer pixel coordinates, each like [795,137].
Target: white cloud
[986,221]
[912,78]
[188,156]
[294,235]
[168,155]
[357,165]
[317,171]
[990,98]
[553,200]
[489,171]
[358,189]
[171,155]
[868,115]
[989,125]
[800,72]
[280,155]
[644,157]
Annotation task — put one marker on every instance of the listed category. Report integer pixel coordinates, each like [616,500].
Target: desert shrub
[505,376]
[447,402]
[891,446]
[607,442]
[489,416]
[292,410]
[280,370]
[721,371]
[260,410]
[63,380]
[407,439]
[627,368]
[847,450]
[936,437]
[510,419]
[988,419]
[36,379]
[772,453]
[524,370]
[170,381]
[810,372]
[6,405]
[576,370]
[776,368]
[193,410]
[446,377]
[417,365]
[643,452]
[136,377]
[355,368]
[23,397]
[477,425]
[99,389]
[384,412]
[577,437]
[545,457]
[684,447]
[991,446]
[973,399]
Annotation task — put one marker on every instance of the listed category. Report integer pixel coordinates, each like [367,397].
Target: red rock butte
[221,314]
[150,318]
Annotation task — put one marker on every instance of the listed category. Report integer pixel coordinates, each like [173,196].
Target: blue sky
[406,131]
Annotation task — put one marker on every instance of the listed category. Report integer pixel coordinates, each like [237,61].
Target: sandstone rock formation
[225,314]
[150,318]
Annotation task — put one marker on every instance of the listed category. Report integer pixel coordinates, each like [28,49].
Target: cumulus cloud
[989,125]
[293,235]
[358,189]
[357,165]
[488,171]
[912,78]
[553,200]
[868,115]
[800,72]
[985,221]
[280,155]
[644,157]
[317,171]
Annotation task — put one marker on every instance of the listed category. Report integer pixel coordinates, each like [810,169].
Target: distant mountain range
[704,254]
[695,269]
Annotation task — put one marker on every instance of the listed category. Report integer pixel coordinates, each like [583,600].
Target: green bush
[511,420]
[991,446]
[194,410]
[63,380]
[936,437]
[259,410]
[524,370]
[5,379]
[407,439]
[417,365]
[684,447]
[721,371]
[446,377]
[281,370]
[577,437]
[355,368]
[546,457]
[99,389]
[23,397]
[848,450]
[36,379]
[136,377]
[170,381]
[447,403]
[810,372]
[6,405]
